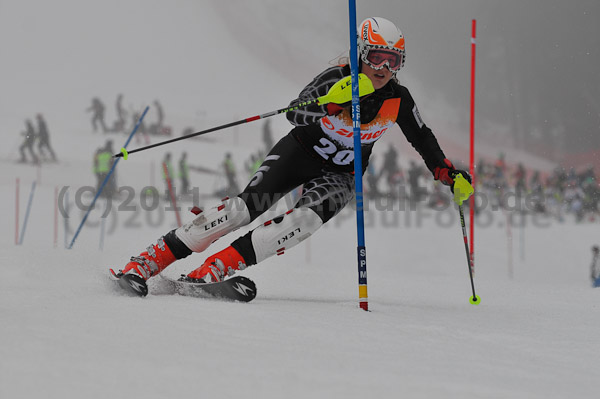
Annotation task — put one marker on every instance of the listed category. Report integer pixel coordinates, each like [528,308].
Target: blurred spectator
[119,124]
[595,267]
[184,174]
[520,183]
[390,170]
[414,175]
[43,137]
[267,135]
[142,133]
[231,175]
[103,161]
[97,110]
[372,180]
[29,134]
[159,128]
[168,175]
[254,163]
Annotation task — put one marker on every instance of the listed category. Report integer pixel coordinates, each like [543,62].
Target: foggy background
[209,63]
[537,86]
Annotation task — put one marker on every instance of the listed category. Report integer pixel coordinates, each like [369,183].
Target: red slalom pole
[17,213]
[472,150]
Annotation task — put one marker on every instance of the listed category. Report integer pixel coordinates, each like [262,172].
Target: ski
[131,284]
[237,288]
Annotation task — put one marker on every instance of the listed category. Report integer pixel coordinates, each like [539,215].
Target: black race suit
[318,152]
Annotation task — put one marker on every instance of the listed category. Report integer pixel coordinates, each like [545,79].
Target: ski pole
[110,172]
[475,300]
[338,94]
[462,191]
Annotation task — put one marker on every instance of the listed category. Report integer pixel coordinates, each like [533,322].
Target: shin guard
[213,224]
[284,232]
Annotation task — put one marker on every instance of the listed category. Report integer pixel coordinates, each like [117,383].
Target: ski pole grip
[462,189]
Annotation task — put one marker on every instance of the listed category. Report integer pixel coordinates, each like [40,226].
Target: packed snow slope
[66,327]
[67,332]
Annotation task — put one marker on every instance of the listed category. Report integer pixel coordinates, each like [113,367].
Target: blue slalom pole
[27,213]
[360,217]
[135,128]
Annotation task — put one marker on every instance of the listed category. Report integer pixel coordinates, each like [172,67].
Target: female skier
[318,154]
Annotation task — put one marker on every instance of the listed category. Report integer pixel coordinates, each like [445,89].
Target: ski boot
[140,268]
[216,267]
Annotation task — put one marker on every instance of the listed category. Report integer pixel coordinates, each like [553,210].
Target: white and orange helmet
[380,44]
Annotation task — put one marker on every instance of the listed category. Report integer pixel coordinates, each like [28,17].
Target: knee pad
[213,224]
[284,232]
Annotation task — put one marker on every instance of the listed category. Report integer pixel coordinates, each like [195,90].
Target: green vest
[184,170]
[255,167]
[229,166]
[104,162]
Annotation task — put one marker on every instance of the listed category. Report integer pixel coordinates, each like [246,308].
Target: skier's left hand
[448,172]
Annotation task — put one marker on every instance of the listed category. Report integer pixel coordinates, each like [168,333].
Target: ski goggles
[378,58]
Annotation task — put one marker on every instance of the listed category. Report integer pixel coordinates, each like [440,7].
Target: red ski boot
[150,262]
[216,267]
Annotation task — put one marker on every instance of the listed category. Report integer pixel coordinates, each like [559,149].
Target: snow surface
[66,332]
